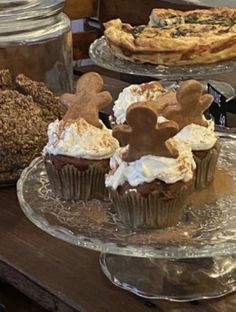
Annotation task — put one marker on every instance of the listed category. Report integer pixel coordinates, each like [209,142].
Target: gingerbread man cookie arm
[121,133]
[167,130]
[67,100]
[205,101]
[102,100]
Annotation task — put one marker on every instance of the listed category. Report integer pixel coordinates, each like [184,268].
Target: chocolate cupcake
[151,177]
[144,93]
[186,108]
[80,146]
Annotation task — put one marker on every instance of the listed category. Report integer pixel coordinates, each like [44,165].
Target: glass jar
[36,40]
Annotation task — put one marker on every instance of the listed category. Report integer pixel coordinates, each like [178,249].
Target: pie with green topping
[176,38]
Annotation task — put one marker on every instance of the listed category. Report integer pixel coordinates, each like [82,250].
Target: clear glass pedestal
[172,279]
[193,260]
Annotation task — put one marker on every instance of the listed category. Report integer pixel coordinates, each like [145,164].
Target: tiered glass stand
[100,54]
[193,260]
[170,76]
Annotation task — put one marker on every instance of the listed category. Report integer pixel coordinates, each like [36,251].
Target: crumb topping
[26,108]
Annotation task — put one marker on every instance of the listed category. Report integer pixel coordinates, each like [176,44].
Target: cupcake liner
[70,183]
[153,211]
[206,167]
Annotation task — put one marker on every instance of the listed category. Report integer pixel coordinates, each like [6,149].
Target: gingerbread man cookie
[143,134]
[87,100]
[187,105]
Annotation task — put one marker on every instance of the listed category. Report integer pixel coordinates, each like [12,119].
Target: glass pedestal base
[196,259]
[172,279]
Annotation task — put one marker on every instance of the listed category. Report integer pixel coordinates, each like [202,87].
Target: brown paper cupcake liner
[153,211]
[206,167]
[69,183]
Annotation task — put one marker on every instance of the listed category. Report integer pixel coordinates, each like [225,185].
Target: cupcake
[186,108]
[151,177]
[79,146]
[144,92]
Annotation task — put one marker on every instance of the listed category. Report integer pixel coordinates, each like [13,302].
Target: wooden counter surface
[65,278]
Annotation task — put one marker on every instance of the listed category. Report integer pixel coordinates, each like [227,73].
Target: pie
[176,38]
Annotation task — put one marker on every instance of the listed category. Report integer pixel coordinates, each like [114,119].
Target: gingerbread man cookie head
[190,105]
[143,134]
[87,100]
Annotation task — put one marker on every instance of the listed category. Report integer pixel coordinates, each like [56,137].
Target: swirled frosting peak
[136,93]
[80,139]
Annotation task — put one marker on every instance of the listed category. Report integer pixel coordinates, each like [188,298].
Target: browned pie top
[176,38]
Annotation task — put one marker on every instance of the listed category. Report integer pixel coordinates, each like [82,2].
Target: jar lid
[31,20]
[24,9]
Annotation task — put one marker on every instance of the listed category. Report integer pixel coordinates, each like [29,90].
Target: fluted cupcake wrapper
[206,167]
[69,183]
[153,211]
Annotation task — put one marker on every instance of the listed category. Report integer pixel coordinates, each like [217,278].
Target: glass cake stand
[101,55]
[194,260]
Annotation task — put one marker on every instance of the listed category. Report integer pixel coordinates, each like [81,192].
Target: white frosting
[80,140]
[198,137]
[132,94]
[148,168]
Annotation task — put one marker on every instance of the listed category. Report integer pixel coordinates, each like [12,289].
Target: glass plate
[101,55]
[208,227]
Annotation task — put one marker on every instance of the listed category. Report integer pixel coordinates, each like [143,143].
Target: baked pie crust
[176,38]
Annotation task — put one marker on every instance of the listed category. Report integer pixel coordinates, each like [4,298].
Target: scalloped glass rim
[100,54]
[121,246]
